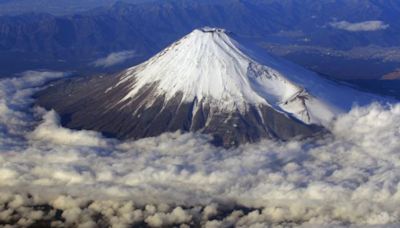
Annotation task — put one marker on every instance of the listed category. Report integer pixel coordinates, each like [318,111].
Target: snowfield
[230,73]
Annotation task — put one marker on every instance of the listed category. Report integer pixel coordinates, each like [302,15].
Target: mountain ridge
[206,82]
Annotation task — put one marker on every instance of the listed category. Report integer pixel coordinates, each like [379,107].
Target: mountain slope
[209,81]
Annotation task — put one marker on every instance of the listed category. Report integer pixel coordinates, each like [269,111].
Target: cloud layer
[365,26]
[49,174]
[114,59]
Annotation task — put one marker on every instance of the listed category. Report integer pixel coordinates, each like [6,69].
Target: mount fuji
[211,82]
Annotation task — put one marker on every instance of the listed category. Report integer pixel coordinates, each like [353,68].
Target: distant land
[57,7]
[357,40]
[392,76]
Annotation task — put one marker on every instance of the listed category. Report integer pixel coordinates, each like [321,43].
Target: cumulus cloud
[49,174]
[51,131]
[114,58]
[365,26]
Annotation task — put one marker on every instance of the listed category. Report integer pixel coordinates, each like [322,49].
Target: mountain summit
[211,82]
[209,67]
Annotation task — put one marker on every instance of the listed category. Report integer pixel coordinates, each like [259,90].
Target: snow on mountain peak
[212,30]
[210,65]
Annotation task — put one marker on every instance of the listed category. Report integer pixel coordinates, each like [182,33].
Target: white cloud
[51,131]
[350,177]
[365,26]
[114,58]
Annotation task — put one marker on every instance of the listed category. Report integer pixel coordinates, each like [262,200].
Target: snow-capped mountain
[208,66]
[209,82]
